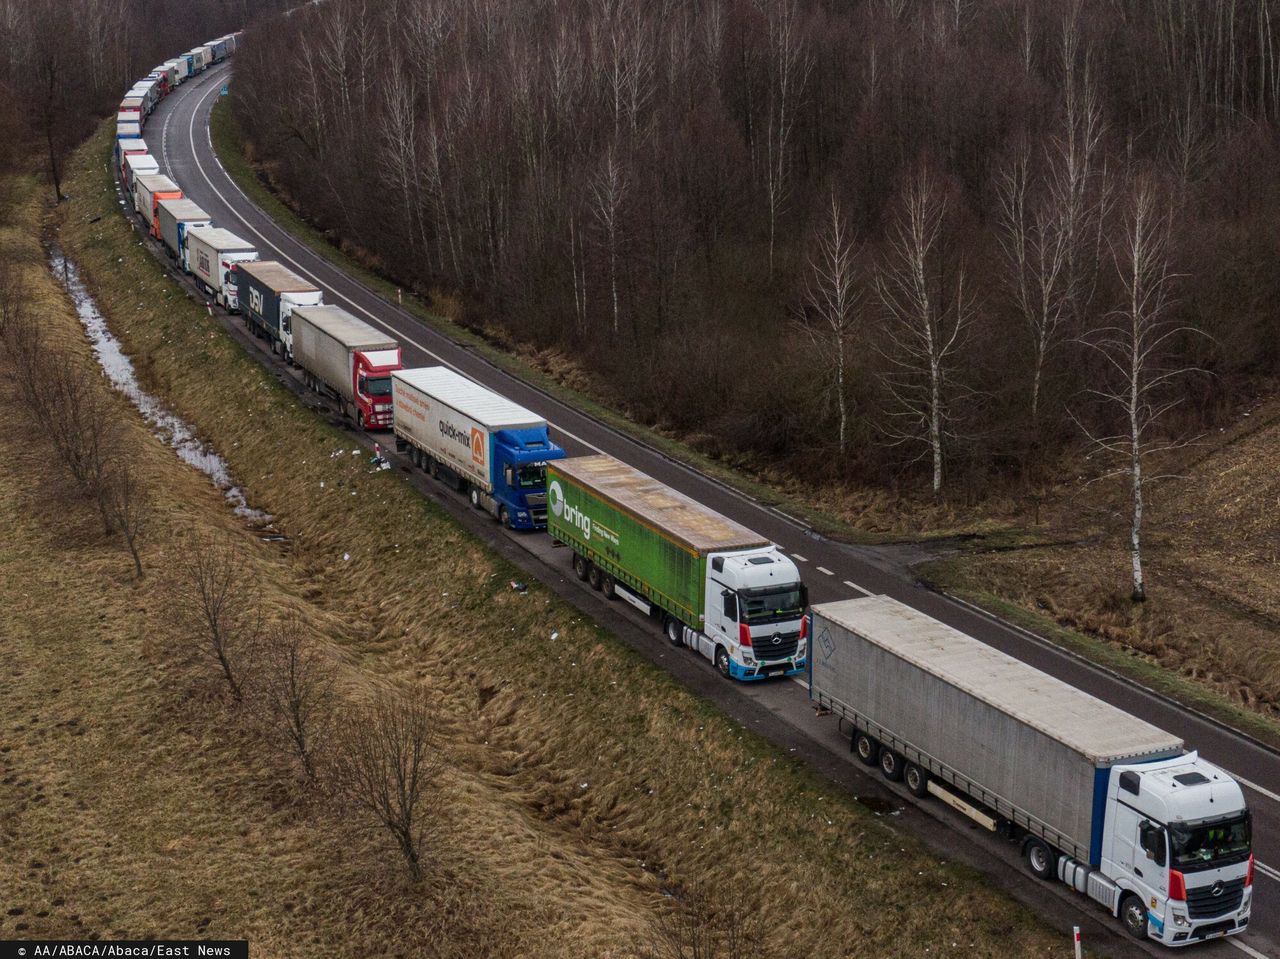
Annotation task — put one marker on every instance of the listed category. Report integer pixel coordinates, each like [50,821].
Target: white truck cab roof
[754,568]
[1183,789]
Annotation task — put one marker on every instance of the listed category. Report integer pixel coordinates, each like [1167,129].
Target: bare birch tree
[609,190]
[1134,348]
[789,66]
[831,313]
[927,312]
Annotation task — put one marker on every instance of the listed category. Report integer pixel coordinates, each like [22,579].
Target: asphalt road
[177,134]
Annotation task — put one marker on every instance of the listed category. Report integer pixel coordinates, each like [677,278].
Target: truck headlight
[748,659]
[1180,920]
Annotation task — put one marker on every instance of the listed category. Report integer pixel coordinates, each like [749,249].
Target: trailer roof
[685,520]
[222,240]
[159,183]
[184,210]
[352,332]
[1086,724]
[143,161]
[275,276]
[486,407]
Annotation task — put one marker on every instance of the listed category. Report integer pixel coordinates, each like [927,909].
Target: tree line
[67,63]
[851,238]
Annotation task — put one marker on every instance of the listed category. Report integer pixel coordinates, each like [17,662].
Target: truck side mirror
[1151,838]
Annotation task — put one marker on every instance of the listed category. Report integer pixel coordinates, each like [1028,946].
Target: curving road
[178,134]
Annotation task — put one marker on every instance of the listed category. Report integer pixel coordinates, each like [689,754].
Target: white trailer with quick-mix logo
[494,450]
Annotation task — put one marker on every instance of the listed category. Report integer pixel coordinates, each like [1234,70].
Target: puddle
[169,428]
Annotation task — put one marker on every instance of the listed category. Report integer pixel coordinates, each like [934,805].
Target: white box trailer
[136,165]
[347,358]
[150,189]
[455,420]
[182,69]
[212,258]
[175,218]
[200,59]
[1100,799]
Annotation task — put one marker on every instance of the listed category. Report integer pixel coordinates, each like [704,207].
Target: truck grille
[775,646]
[1205,902]
[537,499]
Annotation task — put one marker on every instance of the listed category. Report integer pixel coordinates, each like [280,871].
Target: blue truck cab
[520,458]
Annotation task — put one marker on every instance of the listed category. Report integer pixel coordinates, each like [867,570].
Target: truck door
[721,605]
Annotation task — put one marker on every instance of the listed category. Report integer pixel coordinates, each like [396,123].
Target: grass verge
[585,784]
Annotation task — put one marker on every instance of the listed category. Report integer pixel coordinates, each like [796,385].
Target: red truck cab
[371,386]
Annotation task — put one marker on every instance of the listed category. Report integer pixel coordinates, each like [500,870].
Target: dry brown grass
[1213,568]
[581,781]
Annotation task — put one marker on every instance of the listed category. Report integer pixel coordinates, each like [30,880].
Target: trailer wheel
[607,586]
[868,749]
[722,662]
[1134,916]
[1041,859]
[674,630]
[917,780]
[594,576]
[890,765]
[581,566]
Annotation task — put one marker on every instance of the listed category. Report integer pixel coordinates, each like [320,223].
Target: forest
[67,63]
[929,245]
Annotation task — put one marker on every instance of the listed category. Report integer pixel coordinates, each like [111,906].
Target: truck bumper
[749,674]
[1196,930]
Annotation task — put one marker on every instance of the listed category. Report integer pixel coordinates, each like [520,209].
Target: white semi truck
[345,357]
[213,257]
[1098,799]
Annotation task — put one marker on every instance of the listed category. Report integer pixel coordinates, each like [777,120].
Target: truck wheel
[580,566]
[594,576]
[360,418]
[1041,859]
[475,498]
[917,780]
[722,662]
[1134,916]
[607,587]
[674,630]
[868,749]
[504,517]
[890,765]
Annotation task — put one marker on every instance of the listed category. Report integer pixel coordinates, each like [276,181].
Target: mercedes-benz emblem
[1218,887]
[777,640]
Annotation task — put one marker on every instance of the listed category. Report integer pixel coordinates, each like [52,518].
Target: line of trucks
[1097,799]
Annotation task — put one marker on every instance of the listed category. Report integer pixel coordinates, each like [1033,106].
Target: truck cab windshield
[377,386]
[532,476]
[1212,843]
[771,604]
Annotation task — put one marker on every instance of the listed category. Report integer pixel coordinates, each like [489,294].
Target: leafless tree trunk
[297,693]
[927,320]
[1133,349]
[832,310]
[217,607]
[789,65]
[127,505]
[609,192]
[387,762]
